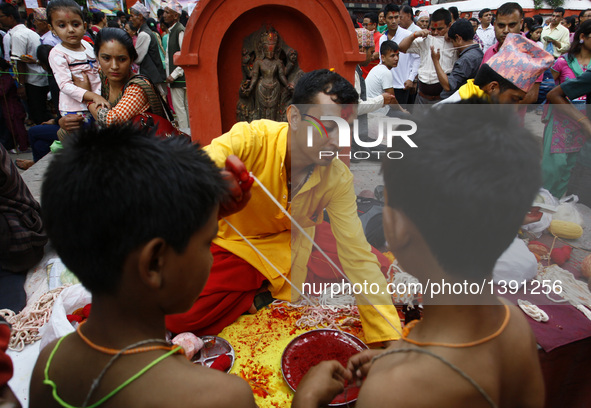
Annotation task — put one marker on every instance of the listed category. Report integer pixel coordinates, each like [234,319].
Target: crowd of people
[445,59]
[205,240]
[60,54]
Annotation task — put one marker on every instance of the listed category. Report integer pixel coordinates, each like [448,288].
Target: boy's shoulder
[173,380]
[507,369]
[190,385]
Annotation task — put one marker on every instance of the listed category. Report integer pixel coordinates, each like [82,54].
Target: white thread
[288,215]
[255,249]
[584,310]
[574,291]
[533,311]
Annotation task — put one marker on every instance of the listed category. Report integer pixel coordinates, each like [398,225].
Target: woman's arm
[133,102]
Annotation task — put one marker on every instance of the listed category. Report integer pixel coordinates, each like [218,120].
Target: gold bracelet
[582,118]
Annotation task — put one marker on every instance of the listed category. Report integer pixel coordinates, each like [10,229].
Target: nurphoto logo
[388,129]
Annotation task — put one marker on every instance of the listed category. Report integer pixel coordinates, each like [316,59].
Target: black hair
[152,25]
[43,56]
[532,30]
[468,168]
[483,12]
[354,19]
[70,5]
[538,19]
[111,190]
[455,13]
[325,81]
[388,45]
[117,34]
[121,14]
[463,28]
[97,17]
[576,46]
[10,11]
[582,13]
[509,8]
[528,23]
[559,10]
[131,26]
[406,9]
[159,13]
[475,20]
[391,8]
[184,18]
[571,23]
[373,17]
[441,14]
[113,24]
[486,75]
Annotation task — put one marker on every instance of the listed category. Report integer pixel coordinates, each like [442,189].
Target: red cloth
[320,270]
[228,293]
[5,361]
[233,284]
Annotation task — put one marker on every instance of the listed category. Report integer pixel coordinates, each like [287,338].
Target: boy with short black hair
[133,217]
[380,80]
[476,351]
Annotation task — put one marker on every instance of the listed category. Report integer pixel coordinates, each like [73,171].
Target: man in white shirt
[420,42]
[379,80]
[23,50]
[406,19]
[486,32]
[555,37]
[176,75]
[406,71]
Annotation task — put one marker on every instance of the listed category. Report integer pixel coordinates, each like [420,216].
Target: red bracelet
[89,103]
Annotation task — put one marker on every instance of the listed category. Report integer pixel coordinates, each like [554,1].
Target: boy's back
[173,382]
[478,175]
[507,368]
[133,217]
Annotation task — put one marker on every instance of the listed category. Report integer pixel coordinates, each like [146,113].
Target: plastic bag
[567,210]
[70,299]
[546,201]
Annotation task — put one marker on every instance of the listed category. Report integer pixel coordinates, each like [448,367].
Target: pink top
[65,63]
[564,71]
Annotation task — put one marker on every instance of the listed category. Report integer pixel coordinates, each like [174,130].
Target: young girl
[73,57]
[534,34]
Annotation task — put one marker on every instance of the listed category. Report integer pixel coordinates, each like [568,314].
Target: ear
[151,262]
[396,227]
[491,88]
[293,117]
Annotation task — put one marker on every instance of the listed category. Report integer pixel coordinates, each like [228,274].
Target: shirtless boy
[463,177]
[133,217]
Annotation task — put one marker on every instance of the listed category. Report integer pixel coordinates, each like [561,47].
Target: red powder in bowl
[311,348]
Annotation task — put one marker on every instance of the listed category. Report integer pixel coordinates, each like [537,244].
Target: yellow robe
[262,145]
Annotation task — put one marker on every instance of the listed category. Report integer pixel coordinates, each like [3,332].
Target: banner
[109,7]
[154,5]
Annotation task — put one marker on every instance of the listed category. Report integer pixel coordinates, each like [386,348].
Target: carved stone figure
[265,89]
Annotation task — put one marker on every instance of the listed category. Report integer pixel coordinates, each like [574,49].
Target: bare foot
[24,164]
[252,309]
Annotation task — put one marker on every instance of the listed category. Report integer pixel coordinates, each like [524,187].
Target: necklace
[407,329]
[129,349]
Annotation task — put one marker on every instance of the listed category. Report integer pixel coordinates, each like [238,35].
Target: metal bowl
[356,345]
[214,347]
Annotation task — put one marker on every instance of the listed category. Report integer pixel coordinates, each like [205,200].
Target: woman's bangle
[582,118]
[89,103]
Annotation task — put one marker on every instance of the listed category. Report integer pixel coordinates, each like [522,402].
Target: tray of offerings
[210,355]
[315,346]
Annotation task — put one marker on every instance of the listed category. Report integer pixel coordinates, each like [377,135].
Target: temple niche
[270,70]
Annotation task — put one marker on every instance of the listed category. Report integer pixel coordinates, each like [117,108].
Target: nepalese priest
[305,183]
